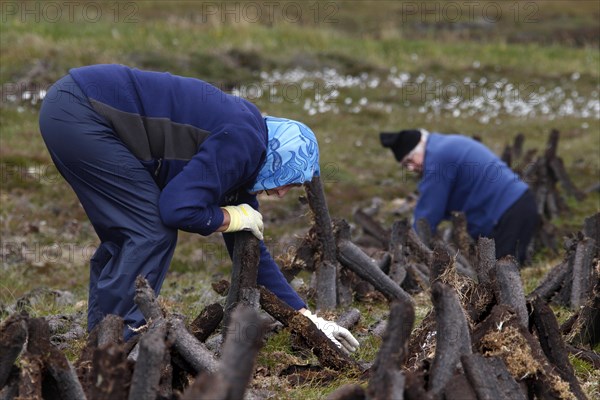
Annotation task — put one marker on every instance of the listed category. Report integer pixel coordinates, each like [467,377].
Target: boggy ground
[356,69]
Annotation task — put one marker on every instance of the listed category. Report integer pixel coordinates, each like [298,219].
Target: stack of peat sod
[167,355]
[575,283]
[483,339]
[543,173]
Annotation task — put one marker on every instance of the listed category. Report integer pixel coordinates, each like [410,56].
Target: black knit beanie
[401,143]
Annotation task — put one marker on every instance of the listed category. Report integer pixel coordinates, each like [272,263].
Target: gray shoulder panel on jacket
[152,138]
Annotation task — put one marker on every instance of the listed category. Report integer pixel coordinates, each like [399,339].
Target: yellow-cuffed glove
[339,335]
[245,218]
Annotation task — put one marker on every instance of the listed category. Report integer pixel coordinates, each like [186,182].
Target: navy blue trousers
[118,195]
[516,228]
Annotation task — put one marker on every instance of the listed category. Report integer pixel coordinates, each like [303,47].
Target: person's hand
[244,218]
[340,336]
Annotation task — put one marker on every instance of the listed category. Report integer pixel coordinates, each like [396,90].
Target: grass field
[348,69]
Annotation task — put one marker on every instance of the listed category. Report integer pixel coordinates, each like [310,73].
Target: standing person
[461,174]
[149,153]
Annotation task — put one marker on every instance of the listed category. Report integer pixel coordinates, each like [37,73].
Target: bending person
[149,153]
[461,174]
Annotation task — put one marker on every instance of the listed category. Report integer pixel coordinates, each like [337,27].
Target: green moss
[277,349]
[582,368]
[588,376]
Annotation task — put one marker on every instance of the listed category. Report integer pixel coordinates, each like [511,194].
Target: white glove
[244,218]
[340,336]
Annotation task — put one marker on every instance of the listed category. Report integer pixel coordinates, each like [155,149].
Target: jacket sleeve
[269,274]
[434,191]
[190,201]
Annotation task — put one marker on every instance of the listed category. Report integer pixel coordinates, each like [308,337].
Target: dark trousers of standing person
[119,197]
[516,228]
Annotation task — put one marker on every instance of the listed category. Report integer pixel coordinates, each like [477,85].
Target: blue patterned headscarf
[292,155]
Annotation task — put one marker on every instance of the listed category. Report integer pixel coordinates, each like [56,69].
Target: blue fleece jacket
[203,147]
[461,174]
